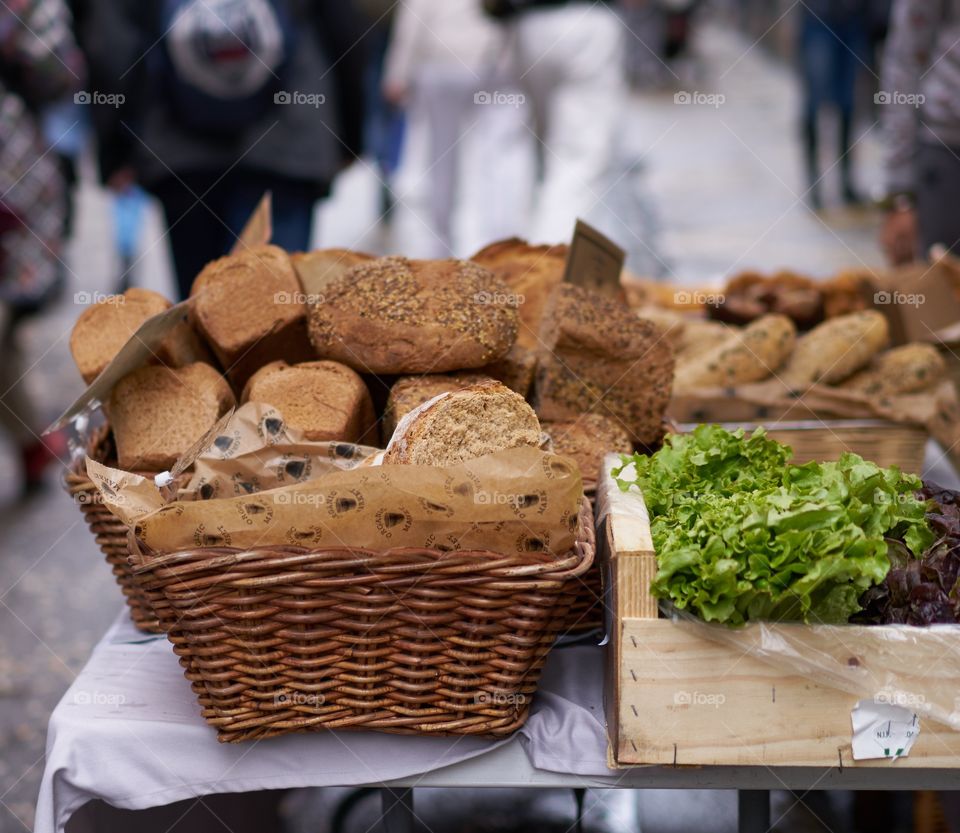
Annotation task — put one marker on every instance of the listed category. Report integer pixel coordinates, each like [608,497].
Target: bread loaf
[905,369]
[754,353]
[318,268]
[250,307]
[531,273]
[395,315]
[464,424]
[836,349]
[104,327]
[157,413]
[515,370]
[587,439]
[410,392]
[325,400]
[699,336]
[597,356]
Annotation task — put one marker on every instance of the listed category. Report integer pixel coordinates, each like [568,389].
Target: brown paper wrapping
[243,495]
[936,409]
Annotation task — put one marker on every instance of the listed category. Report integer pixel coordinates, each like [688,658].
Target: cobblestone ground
[703,190]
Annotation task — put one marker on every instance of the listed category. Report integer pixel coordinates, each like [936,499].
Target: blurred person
[834,43]
[920,114]
[39,63]
[569,58]
[442,66]
[209,103]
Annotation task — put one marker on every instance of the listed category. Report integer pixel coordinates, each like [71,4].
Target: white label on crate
[882,730]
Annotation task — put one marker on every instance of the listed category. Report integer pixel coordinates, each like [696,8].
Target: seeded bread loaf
[395,315]
[250,308]
[318,268]
[464,424]
[597,356]
[905,369]
[531,273]
[104,327]
[157,413]
[326,400]
[752,354]
[587,439]
[836,349]
[409,392]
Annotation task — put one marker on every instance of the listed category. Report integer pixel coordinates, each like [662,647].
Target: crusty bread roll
[836,349]
[754,353]
[531,273]
[318,268]
[325,400]
[395,315]
[410,392]
[104,327]
[905,369]
[157,413]
[597,356]
[587,439]
[250,308]
[464,424]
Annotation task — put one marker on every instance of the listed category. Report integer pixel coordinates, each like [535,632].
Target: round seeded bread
[395,315]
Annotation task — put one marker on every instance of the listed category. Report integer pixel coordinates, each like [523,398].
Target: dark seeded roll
[395,315]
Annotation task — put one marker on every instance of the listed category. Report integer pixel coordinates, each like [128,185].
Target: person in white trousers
[569,59]
[442,66]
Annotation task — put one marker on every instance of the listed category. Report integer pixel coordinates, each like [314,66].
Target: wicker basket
[884,443]
[110,532]
[416,641]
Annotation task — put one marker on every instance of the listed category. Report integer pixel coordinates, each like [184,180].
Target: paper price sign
[883,730]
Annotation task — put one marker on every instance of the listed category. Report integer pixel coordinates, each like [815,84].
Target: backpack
[223,61]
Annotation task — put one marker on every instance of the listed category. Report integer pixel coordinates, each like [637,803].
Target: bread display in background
[250,308]
[905,369]
[104,327]
[531,273]
[318,268]
[749,296]
[699,336]
[157,413]
[749,355]
[587,439]
[395,315]
[410,392]
[597,356]
[464,424]
[836,349]
[325,400]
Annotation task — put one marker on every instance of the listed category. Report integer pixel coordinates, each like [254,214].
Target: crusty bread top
[464,424]
[240,298]
[104,327]
[408,296]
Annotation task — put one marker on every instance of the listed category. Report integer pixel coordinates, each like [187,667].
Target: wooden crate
[677,697]
[884,443]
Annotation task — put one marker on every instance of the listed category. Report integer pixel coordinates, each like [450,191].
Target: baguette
[836,349]
[905,369]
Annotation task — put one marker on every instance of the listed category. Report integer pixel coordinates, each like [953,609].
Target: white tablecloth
[129,732]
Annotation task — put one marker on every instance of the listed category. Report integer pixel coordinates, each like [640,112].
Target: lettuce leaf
[742,535]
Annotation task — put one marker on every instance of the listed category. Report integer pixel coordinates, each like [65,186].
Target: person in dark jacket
[210,104]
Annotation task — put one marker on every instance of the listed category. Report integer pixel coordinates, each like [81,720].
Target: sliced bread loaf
[157,413]
[410,392]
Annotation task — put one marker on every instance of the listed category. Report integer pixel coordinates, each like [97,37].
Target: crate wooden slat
[677,697]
